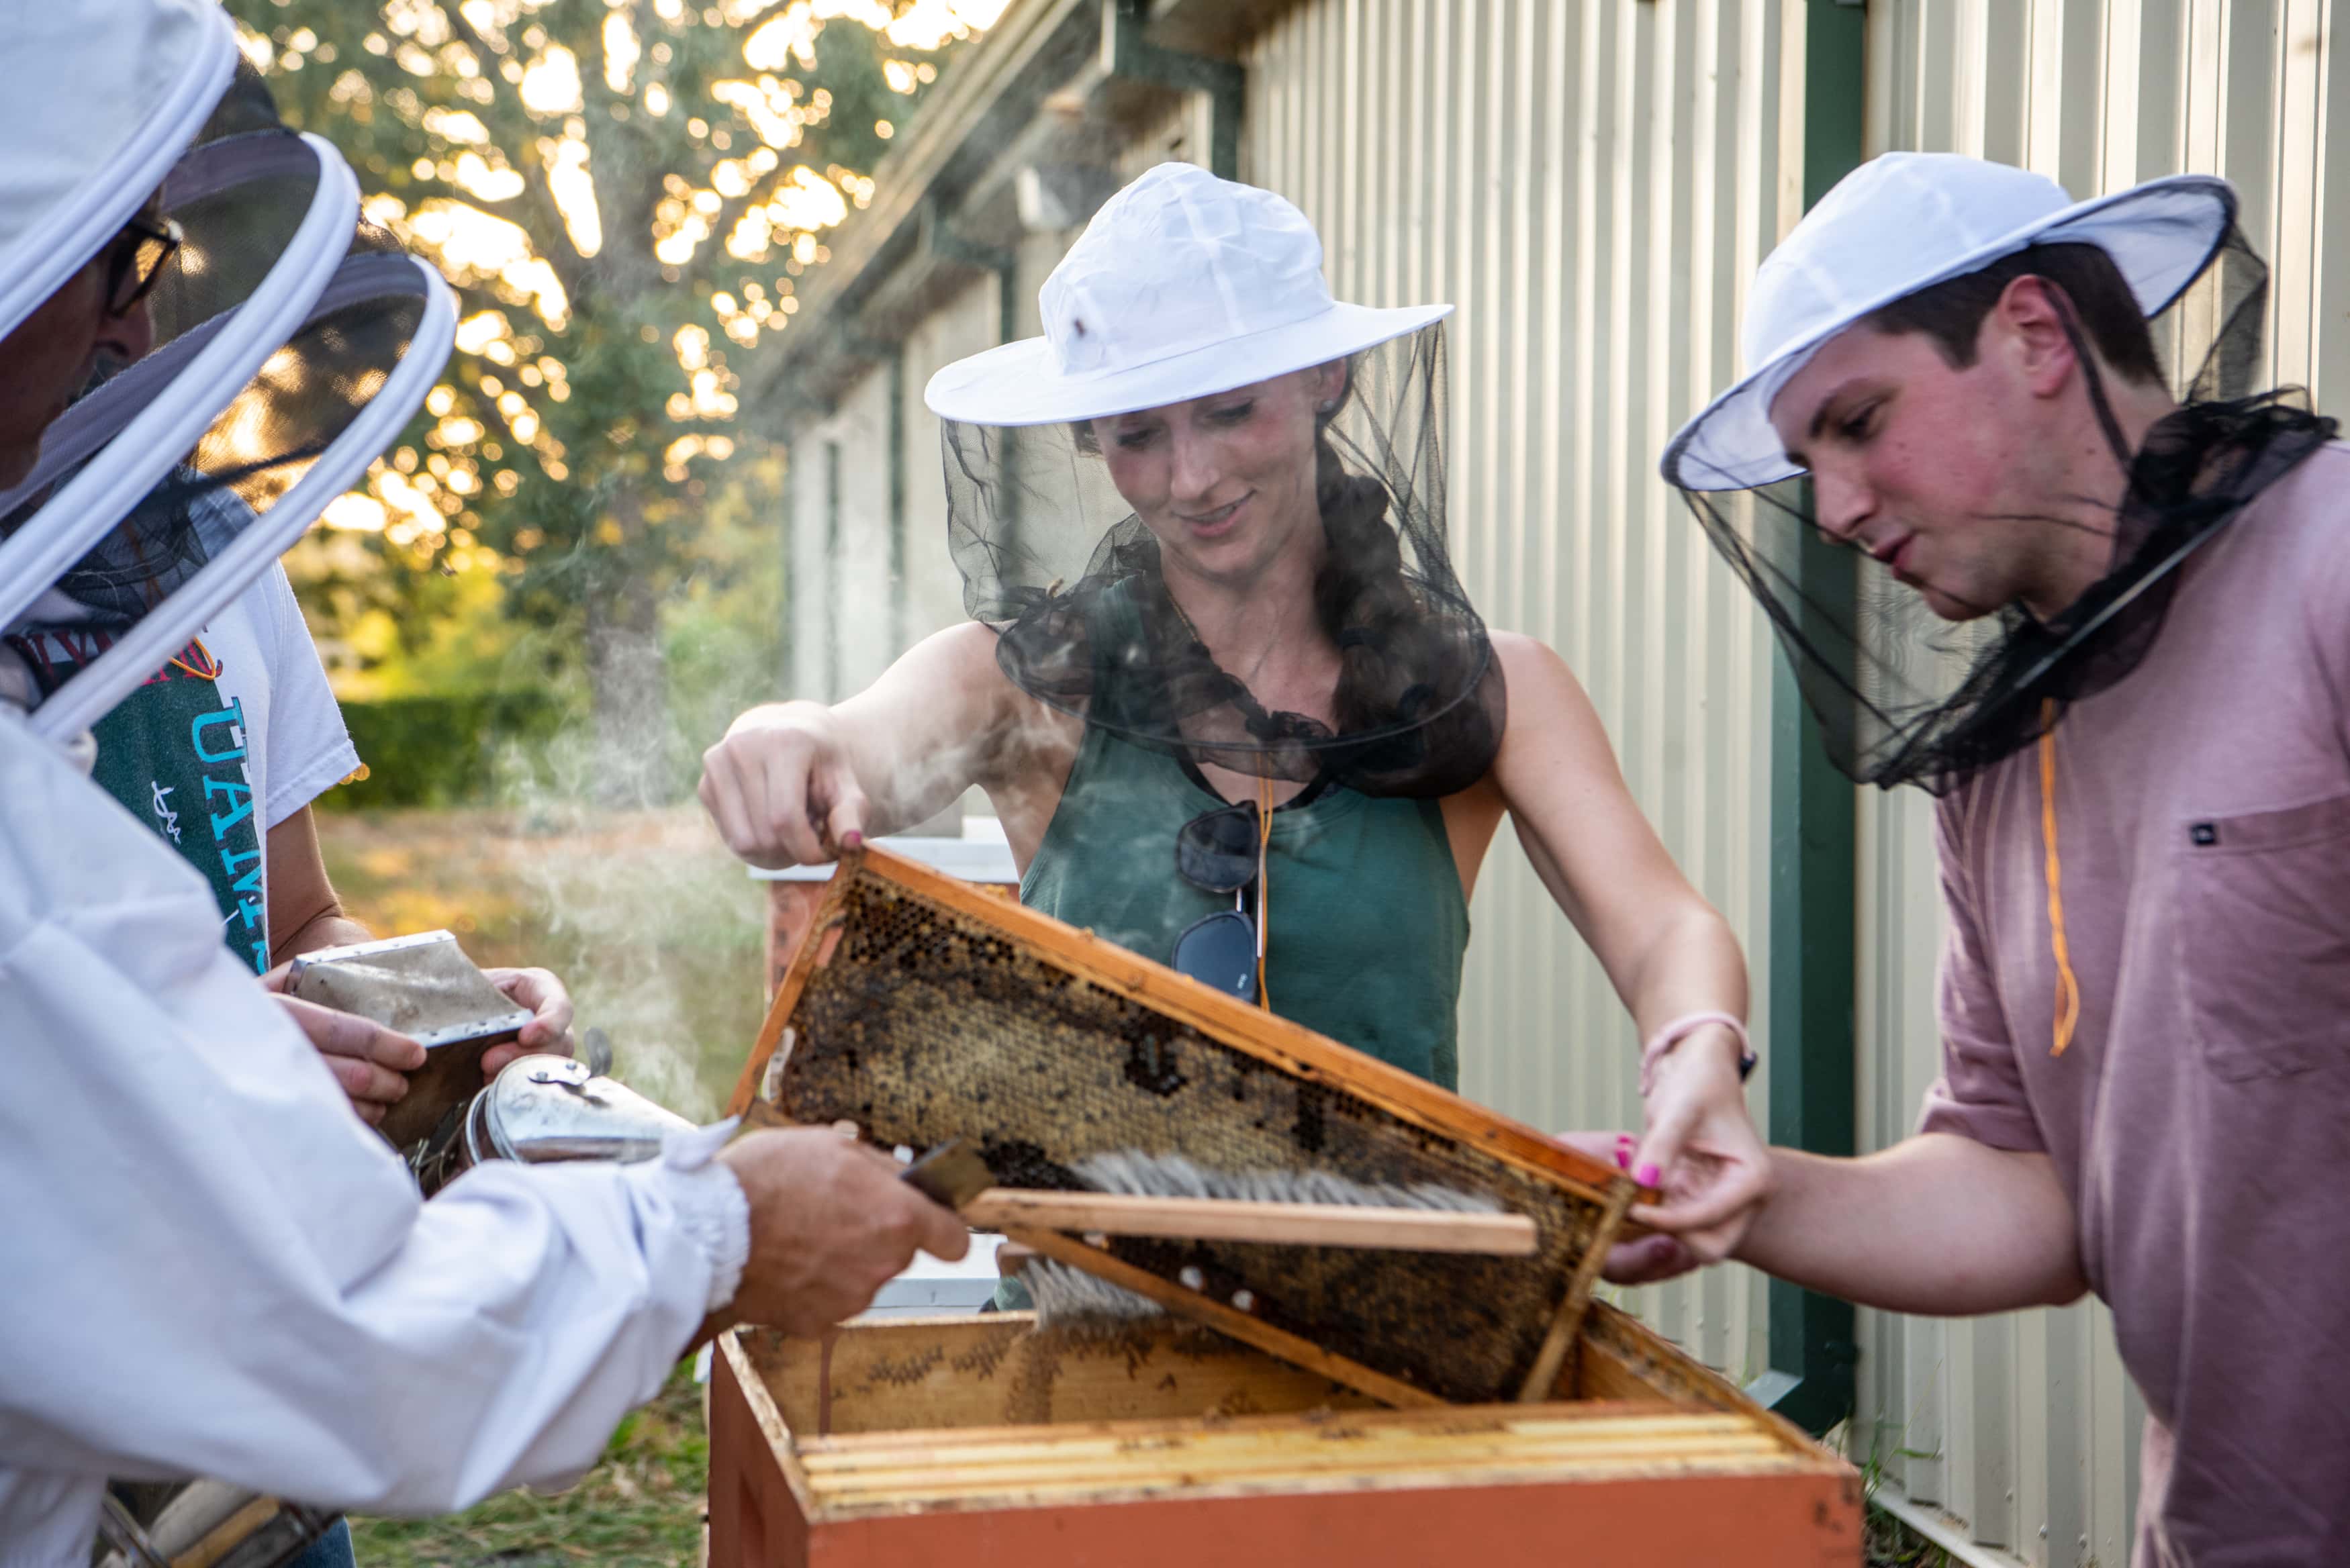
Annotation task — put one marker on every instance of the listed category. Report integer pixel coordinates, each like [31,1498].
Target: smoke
[655,929]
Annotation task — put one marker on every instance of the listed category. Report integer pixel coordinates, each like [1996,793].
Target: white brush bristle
[1068,1297]
[1172,1175]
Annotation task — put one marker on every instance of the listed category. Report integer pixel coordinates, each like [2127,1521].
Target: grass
[1887,1542]
[640,1507]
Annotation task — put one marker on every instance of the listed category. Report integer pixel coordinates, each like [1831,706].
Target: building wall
[2026,1424]
[934,587]
[1591,184]
[841,590]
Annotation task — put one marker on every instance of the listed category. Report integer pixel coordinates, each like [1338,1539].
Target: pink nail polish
[853,839]
[1623,1156]
[1646,1176]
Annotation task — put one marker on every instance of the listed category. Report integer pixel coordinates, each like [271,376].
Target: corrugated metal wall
[2029,1421]
[1592,185]
[851,614]
[934,587]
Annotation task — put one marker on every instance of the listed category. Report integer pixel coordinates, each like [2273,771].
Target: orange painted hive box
[1367,1408]
[983,1442]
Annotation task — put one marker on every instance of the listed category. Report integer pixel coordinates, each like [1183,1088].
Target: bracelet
[1689,1023]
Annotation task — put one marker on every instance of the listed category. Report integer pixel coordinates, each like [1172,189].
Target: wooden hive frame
[922,1008]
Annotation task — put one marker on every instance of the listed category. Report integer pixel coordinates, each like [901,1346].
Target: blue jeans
[332,1549]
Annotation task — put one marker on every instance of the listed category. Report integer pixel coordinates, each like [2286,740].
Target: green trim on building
[1814,864]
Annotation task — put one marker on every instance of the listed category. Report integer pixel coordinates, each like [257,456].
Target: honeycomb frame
[924,1009]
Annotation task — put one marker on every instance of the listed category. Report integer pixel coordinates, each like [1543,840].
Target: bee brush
[1170,1198]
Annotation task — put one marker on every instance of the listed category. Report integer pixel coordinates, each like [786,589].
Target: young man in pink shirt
[2102,612]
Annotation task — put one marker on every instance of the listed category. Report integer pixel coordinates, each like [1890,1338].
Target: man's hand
[548,1033]
[368,1060]
[830,1224]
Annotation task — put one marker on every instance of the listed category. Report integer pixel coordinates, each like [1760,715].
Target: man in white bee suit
[212,1266]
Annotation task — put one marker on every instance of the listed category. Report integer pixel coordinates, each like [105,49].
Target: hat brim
[192,55]
[224,359]
[2161,234]
[1021,384]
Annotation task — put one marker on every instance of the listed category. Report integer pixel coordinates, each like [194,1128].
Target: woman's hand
[781,787]
[1667,952]
[549,1031]
[1701,1146]
[1644,1260]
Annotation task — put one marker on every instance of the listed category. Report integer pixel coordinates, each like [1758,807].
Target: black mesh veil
[289,440]
[337,334]
[261,215]
[1903,696]
[1062,567]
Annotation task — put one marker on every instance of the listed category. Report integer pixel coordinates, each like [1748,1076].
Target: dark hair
[1400,657]
[1951,312]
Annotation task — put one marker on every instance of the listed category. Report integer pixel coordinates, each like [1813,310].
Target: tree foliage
[624,192]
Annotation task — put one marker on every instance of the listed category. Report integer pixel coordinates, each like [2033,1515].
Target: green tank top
[1367,924]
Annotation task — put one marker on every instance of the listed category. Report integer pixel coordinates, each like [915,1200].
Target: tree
[623,191]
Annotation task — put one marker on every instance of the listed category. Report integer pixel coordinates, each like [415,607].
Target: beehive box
[980,1442]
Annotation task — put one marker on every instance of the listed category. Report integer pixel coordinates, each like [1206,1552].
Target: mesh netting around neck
[1905,697]
[1075,584]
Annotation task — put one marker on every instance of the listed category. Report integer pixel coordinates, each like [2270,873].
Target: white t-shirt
[293,728]
[233,735]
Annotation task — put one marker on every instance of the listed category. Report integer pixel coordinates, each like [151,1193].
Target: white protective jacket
[212,1266]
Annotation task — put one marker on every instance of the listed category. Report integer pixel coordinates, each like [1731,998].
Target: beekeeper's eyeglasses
[141,251]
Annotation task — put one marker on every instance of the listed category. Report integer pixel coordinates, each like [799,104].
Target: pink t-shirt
[2200,1117]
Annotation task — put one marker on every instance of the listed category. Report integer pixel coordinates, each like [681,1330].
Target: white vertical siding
[963,326]
[2029,1422]
[1591,184]
[840,606]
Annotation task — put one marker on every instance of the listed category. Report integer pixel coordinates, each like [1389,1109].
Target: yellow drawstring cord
[1263,843]
[2068,989]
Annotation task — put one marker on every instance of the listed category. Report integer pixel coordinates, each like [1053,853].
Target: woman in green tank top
[1225,691]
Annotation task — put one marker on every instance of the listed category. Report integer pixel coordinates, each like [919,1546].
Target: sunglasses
[141,253]
[1223,851]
